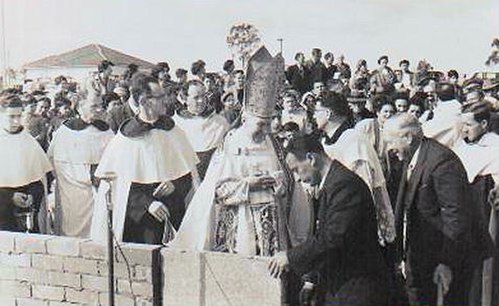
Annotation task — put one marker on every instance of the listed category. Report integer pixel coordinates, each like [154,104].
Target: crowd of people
[365,187]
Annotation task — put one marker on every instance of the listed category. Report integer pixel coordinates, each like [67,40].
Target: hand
[256,182]
[443,275]
[494,198]
[22,200]
[401,270]
[159,211]
[306,294]
[164,189]
[278,264]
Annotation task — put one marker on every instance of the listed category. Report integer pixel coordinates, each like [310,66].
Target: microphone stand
[110,177]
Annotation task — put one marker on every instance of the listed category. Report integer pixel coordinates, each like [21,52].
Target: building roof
[89,55]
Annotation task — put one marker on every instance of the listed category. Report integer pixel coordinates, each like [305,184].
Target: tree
[494,54]
[243,40]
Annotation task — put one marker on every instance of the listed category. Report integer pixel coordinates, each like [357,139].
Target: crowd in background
[322,98]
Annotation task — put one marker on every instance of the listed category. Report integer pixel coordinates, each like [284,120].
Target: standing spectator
[407,76]
[318,71]
[298,75]
[432,213]
[343,68]
[330,66]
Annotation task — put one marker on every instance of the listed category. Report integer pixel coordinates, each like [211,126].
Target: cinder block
[7,301]
[65,246]
[140,254]
[33,276]
[7,272]
[93,250]
[119,299]
[144,302]
[81,265]
[7,241]
[64,279]
[32,243]
[14,288]
[52,303]
[15,260]
[140,289]
[181,277]
[120,270]
[31,302]
[223,273]
[143,273]
[48,293]
[47,262]
[97,283]
[82,296]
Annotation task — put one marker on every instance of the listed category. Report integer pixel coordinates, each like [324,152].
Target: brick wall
[57,271]
[49,271]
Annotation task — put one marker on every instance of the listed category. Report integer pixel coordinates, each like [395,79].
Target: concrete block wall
[50,270]
[59,271]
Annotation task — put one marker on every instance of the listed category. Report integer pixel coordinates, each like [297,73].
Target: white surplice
[73,153]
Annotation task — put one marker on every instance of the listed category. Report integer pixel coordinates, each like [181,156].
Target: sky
[451,34]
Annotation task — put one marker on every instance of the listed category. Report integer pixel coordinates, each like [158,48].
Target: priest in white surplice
[203,127]
[478,151]
[154,165]
[249,202]
[23,167]
[75,151]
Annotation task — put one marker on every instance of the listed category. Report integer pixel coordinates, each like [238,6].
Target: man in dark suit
[343,249]
[298,75]
[433,217]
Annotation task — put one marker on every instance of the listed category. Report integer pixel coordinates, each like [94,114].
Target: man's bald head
[402,134]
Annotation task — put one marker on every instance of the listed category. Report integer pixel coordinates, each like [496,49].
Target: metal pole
[109,178]
[280,40]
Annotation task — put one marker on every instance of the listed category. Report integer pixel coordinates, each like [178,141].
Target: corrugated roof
[90,55]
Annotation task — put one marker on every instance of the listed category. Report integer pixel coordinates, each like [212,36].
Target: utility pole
[280,40]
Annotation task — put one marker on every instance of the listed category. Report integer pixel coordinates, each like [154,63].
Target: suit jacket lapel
[416,175]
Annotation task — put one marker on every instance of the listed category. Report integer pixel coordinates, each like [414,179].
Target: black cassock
[12,218]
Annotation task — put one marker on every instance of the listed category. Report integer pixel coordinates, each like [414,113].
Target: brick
[6,242]
[144,302]
[82,296]
[93,250]
[53,303]
[143,273]
[14,288]
[47,262]
[82,265]
[48,293]
[120,270]
[33,276]
[31,302]
[141,254]
[119,299]
[65,246]
[65,279]
[15,260]
[142,289]
[31,243]
[97,283]
[7,272]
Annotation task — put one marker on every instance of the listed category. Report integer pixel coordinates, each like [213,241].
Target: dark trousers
[147,230]
[425,291]
[360,291]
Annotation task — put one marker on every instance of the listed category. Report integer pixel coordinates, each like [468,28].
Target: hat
[264,78]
